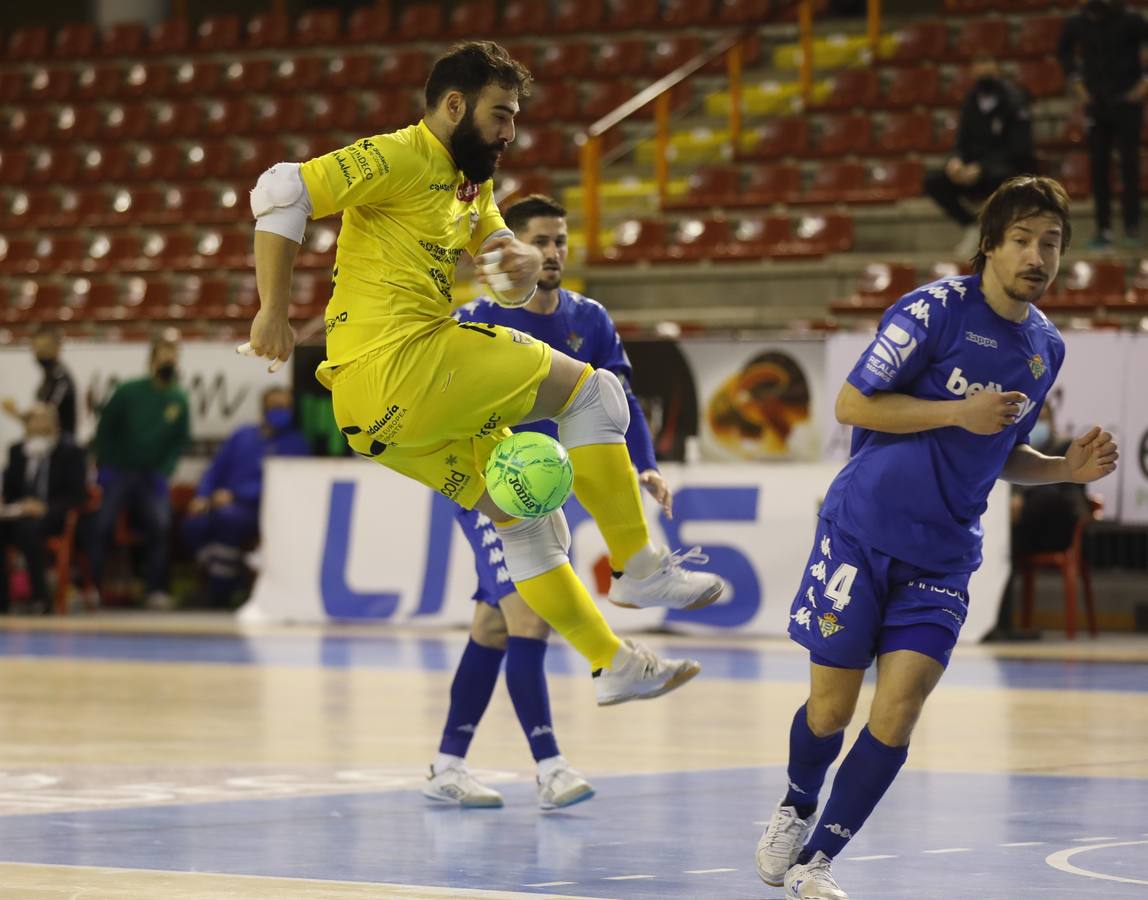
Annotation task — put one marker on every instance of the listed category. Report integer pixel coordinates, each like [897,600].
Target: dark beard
[472,155]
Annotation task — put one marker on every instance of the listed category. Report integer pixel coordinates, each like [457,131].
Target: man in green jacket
[143,429]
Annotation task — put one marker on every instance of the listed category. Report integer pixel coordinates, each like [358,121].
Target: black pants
[27,534]
[1116,124]
[951,196]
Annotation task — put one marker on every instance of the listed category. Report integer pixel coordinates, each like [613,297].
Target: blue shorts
[489,565]
[856,603]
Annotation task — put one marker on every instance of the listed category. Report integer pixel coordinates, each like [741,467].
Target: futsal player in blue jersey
[942,404]
[503,624]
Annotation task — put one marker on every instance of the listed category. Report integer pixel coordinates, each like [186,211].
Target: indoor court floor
[172,758]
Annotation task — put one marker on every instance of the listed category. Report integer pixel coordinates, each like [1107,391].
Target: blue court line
[405,653]
[665,825]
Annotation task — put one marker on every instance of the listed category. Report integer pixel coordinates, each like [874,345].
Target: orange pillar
[874,28]
[805,24]
[662,145]
[733,68]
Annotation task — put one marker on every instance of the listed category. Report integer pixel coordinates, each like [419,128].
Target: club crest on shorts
[828,625]
[1036,366]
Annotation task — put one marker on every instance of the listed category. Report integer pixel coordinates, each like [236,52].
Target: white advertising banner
[1134,452]
[351,540]
[223,387]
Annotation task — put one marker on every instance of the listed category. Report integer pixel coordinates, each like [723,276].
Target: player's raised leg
[592,412]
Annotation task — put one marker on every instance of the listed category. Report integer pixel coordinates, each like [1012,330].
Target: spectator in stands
[224,516]
[45,478]
[1044,518]
[994,143]
[143,429]
[1100,52]
[56,388]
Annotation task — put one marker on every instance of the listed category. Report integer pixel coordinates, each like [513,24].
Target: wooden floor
[179,757]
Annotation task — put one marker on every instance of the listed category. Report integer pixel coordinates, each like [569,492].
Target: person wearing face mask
[1100,51]
[45,478]
[57,386]
[994,143]
[143,429]
[224,516]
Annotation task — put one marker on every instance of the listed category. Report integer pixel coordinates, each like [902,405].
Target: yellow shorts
[434,406]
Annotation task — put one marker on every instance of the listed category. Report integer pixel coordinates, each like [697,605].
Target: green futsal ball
[529,475]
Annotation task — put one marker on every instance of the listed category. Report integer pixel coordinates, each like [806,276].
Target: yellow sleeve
[371,171]
[489,218]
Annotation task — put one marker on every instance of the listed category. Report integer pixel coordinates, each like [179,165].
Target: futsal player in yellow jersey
[429,396]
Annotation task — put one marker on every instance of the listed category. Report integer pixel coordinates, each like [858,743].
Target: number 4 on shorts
[839,586]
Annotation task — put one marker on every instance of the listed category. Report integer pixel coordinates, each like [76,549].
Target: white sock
[546,766]
[644,563]
[444,761]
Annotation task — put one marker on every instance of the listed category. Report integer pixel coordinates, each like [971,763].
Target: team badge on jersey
[829,625]
[1036,366]
[575,341]
[467,191]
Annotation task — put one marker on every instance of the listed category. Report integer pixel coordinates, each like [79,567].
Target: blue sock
[526,681]
[809,760]
[861,782]
[470,692]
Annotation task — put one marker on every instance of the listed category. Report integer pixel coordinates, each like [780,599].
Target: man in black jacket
[1100,53]
[45,478]
[57,386]
[994,143]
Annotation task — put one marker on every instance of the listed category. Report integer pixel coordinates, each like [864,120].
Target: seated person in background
[46,477]
[994,143]
[224,516]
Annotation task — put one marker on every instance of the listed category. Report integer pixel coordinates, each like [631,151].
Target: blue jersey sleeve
[907,340]
[611,354]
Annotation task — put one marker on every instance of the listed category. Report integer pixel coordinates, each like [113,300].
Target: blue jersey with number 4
[919,497]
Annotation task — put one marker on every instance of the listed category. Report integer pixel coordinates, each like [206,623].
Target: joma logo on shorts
[454,483]
[378,424]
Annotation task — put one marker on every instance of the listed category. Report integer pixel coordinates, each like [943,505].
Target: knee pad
[535,546]
[280,202]
[598,414]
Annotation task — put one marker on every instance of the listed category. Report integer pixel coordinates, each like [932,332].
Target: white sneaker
[457,785]
[669,585]
[813,881]
[780,844]
[564,786]
[639,674]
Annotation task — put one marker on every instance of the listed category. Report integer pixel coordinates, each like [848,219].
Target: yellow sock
[563,601]
[606,484]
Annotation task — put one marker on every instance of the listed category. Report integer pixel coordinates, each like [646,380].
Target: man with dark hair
[46,477]
[503,623]
[144,428]
[56,388]
[224,516]
[994,143]
[942,403]
[1100,51]
[430,397]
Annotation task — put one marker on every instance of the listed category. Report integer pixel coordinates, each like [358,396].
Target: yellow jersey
[408,215]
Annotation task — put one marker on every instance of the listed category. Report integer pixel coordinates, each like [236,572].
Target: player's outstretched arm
[986,412]
[272,336]
[510,270]
[1089,458]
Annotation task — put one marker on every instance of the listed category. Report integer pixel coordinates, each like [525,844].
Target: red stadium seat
[13,165]
[850,89]
[833,183]
[77,123]
[698,239]
[603,97]
[712,187]
[11,85]
[421,22]
[817,235]
[394,110]
[352,70]
[903,133]
[28,125]
[755,238]
[278,115]
[512,187]
[46,84]
[1037,37]
[22,208]
[369,25]
[1075,175]
[107,164]
[1087,284]
[61,252]
[221,117]
[170,37]
[614,59]
[117,251]
[556,61]
[557,102]
[246,76]
[742,12]
[324,113]
[880,284]
[670,53]
[207,159]
[780,137]
[251,157]
[1041,78]
[920,42]
[472,19]
[906,87]
[841,135]
[293,74]
[577,15]
[218,33]
[317,27]
[629,15]
[981,37]
[74,41]
[546,146]
[686,13]
[47,165]
[521,18]
[769,184]
[268,31]
[28,44]
[405,67]
[895,179]
[101,82]
[123,39]
[145,79]
[195,78]
[124,121]
[637,240]
[18,254]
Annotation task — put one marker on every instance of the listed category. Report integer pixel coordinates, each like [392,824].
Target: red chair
[13,165]
[686,13]
[123,39]
[879,285]
[63,547]
[976,37]
[1076,175]
[821,234]
[895,179]
[907,87]
[629,15]
[1088,284]
[850,89]
[28,44]
[169,38]
[769,184]
[557,102]
[46,84]
[268,31]
[603,97]
[224,117]
[555,61]
[317,27]
[513,187]
[420,22]
[246,76]
[542,147]
[218,33]
[779,137]
[350,71]
[712,187]
[615,59]
[742,12]
[577,15]
[195,78]
[296,74]
[1072,564]
[1037,37]
[841,135]
[833,183]
[637,240]
[74,41]
[369,25]
[903,133]
[278,115]
[145,79]
[1041,77]
[29,125]
[101,82]
[670,53]
[919,41]
[523,17]
[472,19]
[404,67]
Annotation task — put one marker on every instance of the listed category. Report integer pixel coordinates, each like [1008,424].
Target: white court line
[868,858]
[1025,844]
[951,850]
[1093,840]
[706,871]
[1060,860]
[551,884]
[627,877]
